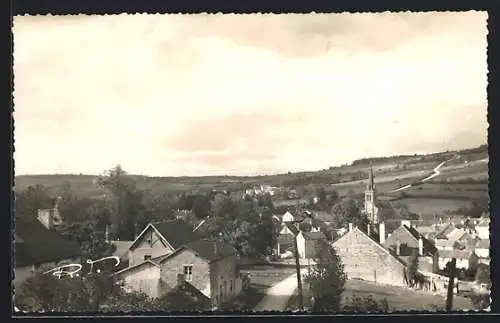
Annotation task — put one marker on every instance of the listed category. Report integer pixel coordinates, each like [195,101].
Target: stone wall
[364,258]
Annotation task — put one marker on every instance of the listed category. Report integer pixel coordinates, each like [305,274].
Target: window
[147,257]
[188,273]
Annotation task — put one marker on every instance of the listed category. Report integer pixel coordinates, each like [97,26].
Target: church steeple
[371,209]
[370,186]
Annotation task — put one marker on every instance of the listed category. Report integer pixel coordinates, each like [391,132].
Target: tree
[125,202]
[201,206]
[222,206]
[30,200]
[46,292]
[348,211]
[413,267]
[326,280]
[366,305]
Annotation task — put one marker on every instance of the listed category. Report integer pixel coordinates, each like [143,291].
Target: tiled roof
[314,235]
[40,245]
[444,243]
[324,216]
[211,250]
[428,246]
[483,244]
[459,254]
[177,232]
[292,228]
[121,247]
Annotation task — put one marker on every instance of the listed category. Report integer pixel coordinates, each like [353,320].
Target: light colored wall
[365,259]
[301,246]
[483,232]
[144,279]
[136,256]
[484,253]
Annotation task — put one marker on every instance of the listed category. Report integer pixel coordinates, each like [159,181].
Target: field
[398,298]
[459,182]
[401,299]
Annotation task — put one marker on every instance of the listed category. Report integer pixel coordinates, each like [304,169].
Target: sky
[176,95]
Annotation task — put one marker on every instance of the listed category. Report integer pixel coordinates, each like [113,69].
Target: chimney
[406,223]
[106,233]
[350,227]
[135,231]
[398,248]
[215,248]
[368,229]
[381,232]
[420,246]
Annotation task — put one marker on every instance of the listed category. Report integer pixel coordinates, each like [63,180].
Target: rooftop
[37,245]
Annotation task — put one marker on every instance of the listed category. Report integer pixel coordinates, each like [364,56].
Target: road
[277,296]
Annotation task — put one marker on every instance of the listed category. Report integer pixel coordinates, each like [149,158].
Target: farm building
[308,244]
[365,258]
[207,266]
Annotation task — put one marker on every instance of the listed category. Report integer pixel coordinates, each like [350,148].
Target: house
[286,239]
[465,258]
[211,267]
[483,228]
[287,217]
[325,217]
[405,241]
[482,248]
[365,258]
[308,244]
[38,248]
[159,239]
[50,218]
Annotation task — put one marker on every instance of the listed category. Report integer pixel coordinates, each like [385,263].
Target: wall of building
[225,280]
[301,246]
[144,248]
[365,259]
[143,279]
[484,253]
[173,266]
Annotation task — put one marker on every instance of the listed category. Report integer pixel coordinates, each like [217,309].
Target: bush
[366,305]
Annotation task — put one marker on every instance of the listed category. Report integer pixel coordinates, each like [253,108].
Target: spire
[371,185]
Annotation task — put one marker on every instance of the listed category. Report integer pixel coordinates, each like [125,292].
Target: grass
[398,298]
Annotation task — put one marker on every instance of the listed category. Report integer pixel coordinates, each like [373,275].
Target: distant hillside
[384,166]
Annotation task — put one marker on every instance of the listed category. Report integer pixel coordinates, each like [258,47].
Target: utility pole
[297,266]
[299,280]
[451,285]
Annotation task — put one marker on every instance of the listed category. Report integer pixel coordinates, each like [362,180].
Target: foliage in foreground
[326,280]
[366,305]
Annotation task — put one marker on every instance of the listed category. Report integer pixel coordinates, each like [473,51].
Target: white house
[287,217]
[482,248]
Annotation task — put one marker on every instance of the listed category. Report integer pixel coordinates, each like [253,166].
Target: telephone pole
[297,266]
[451,285]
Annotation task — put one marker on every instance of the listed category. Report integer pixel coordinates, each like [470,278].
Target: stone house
[159,239]
[308,244]
[365,258]
[465,258]
[405,241]
[50,218]
[38,248]
[208,266]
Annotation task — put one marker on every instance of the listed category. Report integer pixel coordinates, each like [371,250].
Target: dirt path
[277,296]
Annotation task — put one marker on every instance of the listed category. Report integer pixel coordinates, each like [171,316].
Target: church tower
[370,198]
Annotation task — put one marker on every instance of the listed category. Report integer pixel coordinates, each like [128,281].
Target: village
[378,248]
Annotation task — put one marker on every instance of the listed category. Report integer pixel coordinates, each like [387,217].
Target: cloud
[237,94]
